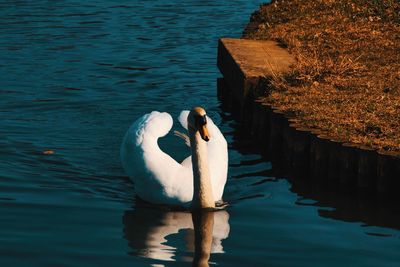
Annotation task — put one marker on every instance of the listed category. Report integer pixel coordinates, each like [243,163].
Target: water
[74,75]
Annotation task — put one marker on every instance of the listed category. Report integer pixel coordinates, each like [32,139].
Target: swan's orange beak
[204,133]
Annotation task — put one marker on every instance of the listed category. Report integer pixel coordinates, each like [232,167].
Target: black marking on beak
[201,120]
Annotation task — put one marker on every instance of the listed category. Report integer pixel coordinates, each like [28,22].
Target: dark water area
[74,76]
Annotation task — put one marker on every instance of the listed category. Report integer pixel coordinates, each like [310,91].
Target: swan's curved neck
[202,190]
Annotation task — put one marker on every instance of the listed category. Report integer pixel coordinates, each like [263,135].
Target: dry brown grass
[346,81]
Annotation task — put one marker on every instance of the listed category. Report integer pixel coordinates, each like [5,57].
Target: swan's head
[197,122]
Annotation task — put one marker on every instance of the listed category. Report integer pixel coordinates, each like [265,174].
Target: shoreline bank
[346,79]
[295,149]
[334,116]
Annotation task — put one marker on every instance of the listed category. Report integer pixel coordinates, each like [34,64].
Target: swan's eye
[201,120]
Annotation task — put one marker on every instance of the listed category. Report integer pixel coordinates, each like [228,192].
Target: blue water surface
[74,76]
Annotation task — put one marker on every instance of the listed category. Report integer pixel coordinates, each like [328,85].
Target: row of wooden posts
[311,154]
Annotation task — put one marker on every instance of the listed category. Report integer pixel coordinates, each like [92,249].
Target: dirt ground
[346,81]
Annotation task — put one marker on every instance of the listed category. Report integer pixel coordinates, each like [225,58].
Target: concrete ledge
[247,66]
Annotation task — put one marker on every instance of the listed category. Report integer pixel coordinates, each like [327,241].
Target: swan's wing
[130,152]
[157,176]
[217,155]
[183,136]
[183,118]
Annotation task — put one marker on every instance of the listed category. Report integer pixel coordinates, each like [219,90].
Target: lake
[75,75]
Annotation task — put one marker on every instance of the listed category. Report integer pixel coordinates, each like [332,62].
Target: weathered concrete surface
[248,66]
[245,62]
[257,58]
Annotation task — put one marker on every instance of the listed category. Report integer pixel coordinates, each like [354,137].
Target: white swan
[158,178]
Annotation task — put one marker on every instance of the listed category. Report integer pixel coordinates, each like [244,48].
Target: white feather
[158,178]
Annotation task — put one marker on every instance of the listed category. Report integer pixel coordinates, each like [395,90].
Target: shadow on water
[345,206]
[157,234]
[371,211]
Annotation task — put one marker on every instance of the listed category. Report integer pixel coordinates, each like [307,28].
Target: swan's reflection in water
[148,232]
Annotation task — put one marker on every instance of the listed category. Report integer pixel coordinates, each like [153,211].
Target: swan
[197,182]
